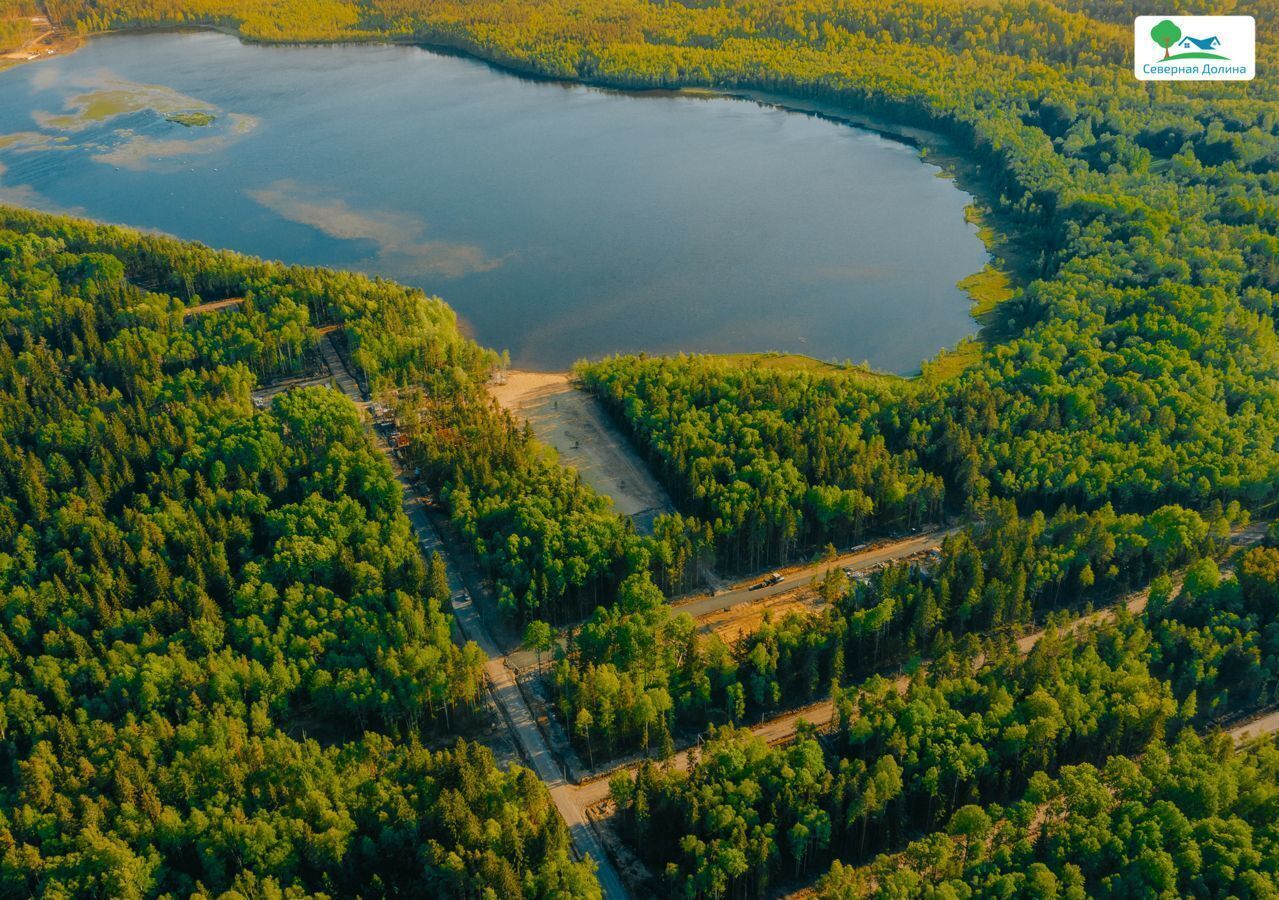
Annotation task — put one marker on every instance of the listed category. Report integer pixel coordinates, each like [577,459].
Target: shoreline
[47,42]
[572,423]
[1006,271]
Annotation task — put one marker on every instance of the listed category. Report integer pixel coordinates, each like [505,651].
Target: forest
[637,673]
[966,739]
[1136,364]
[1119,416]
[15,23]
[223,655]
[1189,818]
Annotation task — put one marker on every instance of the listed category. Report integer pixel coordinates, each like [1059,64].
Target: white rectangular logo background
[1195,48]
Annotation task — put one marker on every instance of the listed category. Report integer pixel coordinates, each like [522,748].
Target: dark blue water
[560,221]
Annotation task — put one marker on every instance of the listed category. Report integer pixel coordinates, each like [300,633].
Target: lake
[560,221]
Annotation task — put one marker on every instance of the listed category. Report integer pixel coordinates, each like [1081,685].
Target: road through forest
[502,687]
[573,801]
[861,560]
[784,727]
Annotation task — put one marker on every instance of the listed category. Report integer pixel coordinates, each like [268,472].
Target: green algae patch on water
[121,98]
[144,152]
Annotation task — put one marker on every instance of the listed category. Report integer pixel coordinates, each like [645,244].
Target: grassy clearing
[797,362]
[987,289]
[950,363]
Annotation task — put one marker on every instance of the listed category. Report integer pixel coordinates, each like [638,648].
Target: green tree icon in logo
[1166,33]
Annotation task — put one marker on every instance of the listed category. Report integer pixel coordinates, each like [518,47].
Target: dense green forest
[636,673]
[1137,364]
[1188,819]
[1137,367]
[1121,413]
[907,761]
[222,651]
[771,460]
[555,548]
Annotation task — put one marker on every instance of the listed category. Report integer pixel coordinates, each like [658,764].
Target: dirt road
[698,607]
[502,687]
[785,726]
[573,801]
[212,306]
[1256,729]
[45,41]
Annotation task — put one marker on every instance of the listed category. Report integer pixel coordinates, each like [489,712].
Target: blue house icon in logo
[1209,43]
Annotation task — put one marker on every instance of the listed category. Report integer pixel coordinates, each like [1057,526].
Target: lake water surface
[560,221]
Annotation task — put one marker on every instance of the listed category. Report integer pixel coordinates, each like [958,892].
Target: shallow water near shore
[561,221]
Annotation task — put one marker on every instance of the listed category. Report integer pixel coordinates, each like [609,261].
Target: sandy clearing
[571,421]
[733,624]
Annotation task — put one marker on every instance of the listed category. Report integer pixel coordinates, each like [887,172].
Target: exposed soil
[571,421]
[45,41]
[733,624]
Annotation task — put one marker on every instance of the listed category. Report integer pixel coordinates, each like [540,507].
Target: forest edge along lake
[560,220]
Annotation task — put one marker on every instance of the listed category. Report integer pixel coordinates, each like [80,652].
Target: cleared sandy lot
[735,623]
[570,420]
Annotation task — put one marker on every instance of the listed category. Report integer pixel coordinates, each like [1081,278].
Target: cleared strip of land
[734,624]
[571,421]
[752,592]
[503,690]
[213,306]
[44,40]
[1258,728]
